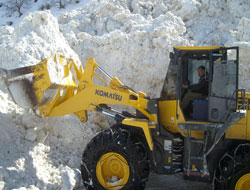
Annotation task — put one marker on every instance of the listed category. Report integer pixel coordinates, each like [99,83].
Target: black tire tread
[231,165]
[119,140]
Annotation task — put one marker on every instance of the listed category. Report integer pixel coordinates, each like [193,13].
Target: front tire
[114,159]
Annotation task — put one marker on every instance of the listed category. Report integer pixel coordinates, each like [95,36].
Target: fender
[145,125]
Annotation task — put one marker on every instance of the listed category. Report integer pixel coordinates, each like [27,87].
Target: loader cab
[221,66]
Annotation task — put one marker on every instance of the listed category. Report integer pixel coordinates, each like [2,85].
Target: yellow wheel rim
[112,171]
[243,183]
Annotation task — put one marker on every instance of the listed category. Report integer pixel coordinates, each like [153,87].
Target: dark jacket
[201,87]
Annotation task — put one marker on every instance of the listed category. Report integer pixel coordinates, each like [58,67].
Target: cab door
[223,78]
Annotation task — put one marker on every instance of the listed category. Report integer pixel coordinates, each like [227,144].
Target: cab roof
[197,47]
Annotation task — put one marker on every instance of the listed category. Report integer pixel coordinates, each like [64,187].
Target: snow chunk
[6,30]
[189,9]
[70,178]
[114,181]
[31,134]
[2,184]
[36,38]
[239,9]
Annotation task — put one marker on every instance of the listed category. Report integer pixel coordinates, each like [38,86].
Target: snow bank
[35,152]
[36,38]
[131,39]
[209,22]
[241,37]
[129,45]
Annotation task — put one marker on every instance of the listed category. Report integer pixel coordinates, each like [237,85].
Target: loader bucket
[40,84]
[22,93]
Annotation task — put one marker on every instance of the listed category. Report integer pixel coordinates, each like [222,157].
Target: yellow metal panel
[46,108]
[41,80]
[42,85]
[142,123]
[137,104]
[168,115]
[92,94]
[89,70]
[115,82]
[241,130]
[170,122]
[82,115]
[169,159]
[248,125]
[247,117]
[238,131]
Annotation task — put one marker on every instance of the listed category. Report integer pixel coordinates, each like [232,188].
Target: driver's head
[201,70]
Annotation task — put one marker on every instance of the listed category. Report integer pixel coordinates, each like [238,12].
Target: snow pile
[238,9]
[36,38]
[37,153]
[131,39]
[209,22]
[241,37]
[139,34]
[131,46]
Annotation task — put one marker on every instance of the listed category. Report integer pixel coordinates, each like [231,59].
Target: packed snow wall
[131,39]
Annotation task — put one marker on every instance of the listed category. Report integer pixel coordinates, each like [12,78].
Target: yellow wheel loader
[209,141]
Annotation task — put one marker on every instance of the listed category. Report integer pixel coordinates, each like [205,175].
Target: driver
[197,91]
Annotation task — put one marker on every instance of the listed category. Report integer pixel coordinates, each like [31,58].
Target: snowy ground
[174,182]
[130,39]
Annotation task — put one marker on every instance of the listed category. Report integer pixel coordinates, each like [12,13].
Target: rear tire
[232,167]
[125,151]
[241,180]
